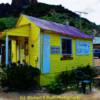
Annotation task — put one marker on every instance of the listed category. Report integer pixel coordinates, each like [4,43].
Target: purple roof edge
[59,28]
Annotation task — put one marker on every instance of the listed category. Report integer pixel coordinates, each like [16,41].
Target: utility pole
[80,13]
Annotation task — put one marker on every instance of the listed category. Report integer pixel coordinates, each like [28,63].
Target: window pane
[69,49]
[66,46]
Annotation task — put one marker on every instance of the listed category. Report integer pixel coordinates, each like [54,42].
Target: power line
[81,12]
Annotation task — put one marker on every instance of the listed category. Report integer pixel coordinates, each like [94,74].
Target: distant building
[96,47]
[96,43]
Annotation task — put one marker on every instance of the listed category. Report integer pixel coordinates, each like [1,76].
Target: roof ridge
[46,20]
[58,27]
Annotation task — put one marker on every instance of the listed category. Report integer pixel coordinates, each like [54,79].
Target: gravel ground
[94,95]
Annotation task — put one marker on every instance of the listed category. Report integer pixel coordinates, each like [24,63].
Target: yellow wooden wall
[34,35]
[13,51]
[57,65]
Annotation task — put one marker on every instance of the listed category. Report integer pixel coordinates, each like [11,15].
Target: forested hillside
[59,14]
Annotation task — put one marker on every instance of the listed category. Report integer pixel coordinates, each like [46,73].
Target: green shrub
[3,75]
[62,82]
[21,77]
[55,88]
[86,72]
[63,78]
[67,78]
[71,78]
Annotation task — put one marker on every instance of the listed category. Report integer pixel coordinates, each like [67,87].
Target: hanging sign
[82,48]
[55,50]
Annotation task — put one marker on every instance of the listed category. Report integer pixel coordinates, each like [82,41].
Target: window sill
[66,57]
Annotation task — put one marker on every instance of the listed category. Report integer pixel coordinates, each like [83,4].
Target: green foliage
[67,78]
[88,72]
[37,10]
[81,73]
[3,75]
[52,13]
[2,26]
[21,77]
[7,22]
[56,17]
[55,87]
[60,15]
[77,22]
[70,79]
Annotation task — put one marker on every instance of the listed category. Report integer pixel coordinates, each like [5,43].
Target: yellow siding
[22,31]
[25,28]
[17,52]
[34,41]
[34,34]
[60,65]
[13,51]
[57,65]
[23,21]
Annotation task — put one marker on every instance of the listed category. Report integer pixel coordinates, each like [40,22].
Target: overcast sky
[92,7]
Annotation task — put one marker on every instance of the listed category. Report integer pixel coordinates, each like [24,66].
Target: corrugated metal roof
[59,28]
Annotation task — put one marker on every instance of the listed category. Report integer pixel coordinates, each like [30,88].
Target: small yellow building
[50,46]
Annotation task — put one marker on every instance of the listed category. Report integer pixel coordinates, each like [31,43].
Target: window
[66,46]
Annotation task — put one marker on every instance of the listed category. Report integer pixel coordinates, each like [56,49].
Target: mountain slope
[49,12]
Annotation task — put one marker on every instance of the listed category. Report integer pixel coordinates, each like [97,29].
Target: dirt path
[37,96]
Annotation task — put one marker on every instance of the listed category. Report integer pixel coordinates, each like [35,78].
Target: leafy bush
[63,78]
[7,22]
[3,75]
[21,77]
[55,87]
[86,72]
[67,78]
[71,78]
[62,81]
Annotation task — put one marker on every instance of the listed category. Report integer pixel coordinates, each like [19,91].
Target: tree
[56,17]
[7,22]
[2,26]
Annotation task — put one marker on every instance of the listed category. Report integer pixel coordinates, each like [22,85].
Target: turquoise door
[46,54]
